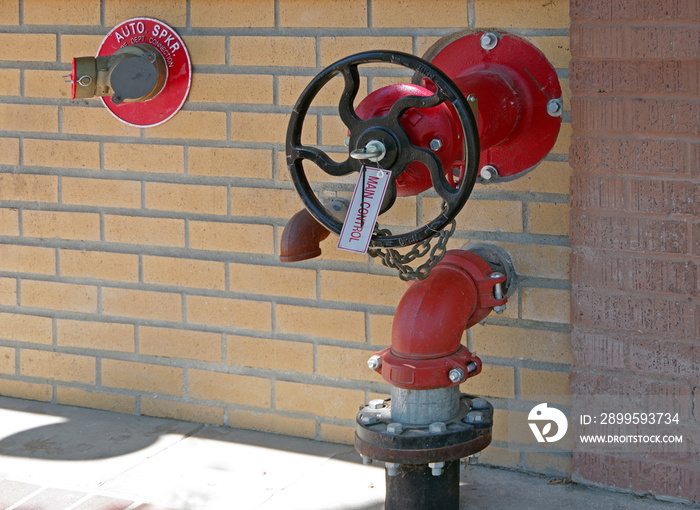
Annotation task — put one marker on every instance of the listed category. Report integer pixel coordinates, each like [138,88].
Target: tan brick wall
[139,268]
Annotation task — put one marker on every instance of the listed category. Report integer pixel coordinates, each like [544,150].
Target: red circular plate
[179,67]
[537,81]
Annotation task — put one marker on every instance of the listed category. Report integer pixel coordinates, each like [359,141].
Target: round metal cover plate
[537,82]
[179,67]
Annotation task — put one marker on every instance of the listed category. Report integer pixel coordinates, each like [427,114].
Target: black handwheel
[398,151]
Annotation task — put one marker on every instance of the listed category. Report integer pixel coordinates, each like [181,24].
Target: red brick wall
[635,223]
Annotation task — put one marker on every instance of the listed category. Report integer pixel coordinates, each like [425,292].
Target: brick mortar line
[595,212]
[626,213]
[366,267]
[184,253]
[617,95]
[156,177]
[222,144]
[287,376]
[634,175]
[594,23]
[648,377]
[277,336]
[555,327]
[625,293]
[525,363]
[299,32]
[274,299]
[666,296]
[319,305]
[231,183]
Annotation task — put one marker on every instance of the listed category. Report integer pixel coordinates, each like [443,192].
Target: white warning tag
[364,210]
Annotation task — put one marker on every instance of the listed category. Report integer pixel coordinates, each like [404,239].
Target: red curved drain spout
[426,351]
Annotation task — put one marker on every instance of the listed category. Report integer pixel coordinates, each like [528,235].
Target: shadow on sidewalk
[55,432]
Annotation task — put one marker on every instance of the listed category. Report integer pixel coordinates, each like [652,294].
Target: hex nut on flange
[479,403]
[474,417]
[488,40]
[437,427]
[368,418]
[456,375]
[377,403]
[437,467]
[394,428]
[392,468]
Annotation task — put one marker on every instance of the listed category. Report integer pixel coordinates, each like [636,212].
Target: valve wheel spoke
[441,184]
[324,161]
[347,99]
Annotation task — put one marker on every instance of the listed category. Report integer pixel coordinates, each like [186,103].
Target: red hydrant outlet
[426,351]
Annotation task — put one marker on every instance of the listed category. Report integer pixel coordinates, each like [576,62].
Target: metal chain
[392,258]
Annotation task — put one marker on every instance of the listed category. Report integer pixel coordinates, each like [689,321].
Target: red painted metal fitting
[426,351]
[437,129]
[518,94]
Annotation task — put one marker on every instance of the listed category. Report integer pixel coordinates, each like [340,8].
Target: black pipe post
[415,488]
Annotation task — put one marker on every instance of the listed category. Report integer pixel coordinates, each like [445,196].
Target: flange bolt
[555,107]
[488,40]
[474,417]
[456,375]
[368,419]
[392,468]
[488,172]
[377,403]
[437,467]
[374,362]
[435,144]
[438,427]
[394,428]
[479,403]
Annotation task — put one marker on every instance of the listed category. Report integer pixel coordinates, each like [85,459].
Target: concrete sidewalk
[66,458]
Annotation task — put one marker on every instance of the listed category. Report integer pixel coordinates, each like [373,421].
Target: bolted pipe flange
[381,437]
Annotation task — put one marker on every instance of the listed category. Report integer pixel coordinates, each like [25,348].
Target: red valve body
[430,319]
[512,84]
[422,126]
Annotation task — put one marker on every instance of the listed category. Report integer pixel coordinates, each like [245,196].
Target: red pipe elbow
[426,350]
[433,313]
[301,238]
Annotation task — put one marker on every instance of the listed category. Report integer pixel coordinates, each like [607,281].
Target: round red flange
[179,67]
[521,67]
